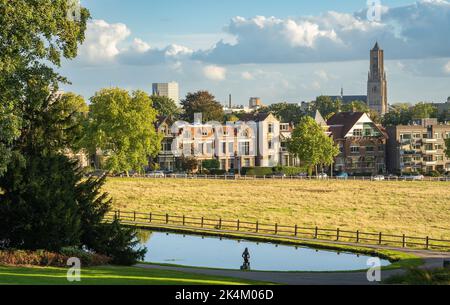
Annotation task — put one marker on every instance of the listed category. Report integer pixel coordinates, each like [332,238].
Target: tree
[165,106]
[326,106]
[286,112]
[44,201]
[122,127]
[205,103]
[356,106]
[423,111]
[189,164]
[311,145]
[399,115]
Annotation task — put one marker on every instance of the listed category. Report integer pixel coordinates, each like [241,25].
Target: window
[358,132]
[354,149]
[270,144]
[204,132]
[245,148]
[370,149]
[246,162]
[416,136]
[270,128]
[224,147]
[284,127]
[437,136]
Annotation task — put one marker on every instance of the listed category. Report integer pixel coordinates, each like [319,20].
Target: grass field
[412,208]
[110,276]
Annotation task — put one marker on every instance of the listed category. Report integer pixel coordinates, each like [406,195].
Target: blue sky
[285,50]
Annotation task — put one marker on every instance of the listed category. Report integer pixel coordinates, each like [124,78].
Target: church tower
[377,83]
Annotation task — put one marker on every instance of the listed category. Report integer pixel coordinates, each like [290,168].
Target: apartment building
[170,90]
[362,143]
[419,147]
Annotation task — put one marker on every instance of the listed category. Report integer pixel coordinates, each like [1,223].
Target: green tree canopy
[399,115]
[286,112]
[165,106]
[423,111]
[122,126]
[311,145]
[205,103]
[356,106]
[326,106]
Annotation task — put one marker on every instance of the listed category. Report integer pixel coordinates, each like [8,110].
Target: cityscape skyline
[305,50]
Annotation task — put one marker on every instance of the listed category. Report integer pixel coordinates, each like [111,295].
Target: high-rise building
[377,83]
[170,90]
[255,103]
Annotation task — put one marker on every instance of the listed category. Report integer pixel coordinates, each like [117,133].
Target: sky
[279,50]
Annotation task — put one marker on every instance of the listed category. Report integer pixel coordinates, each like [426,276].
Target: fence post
[115,215]
[118,213]
[357,236]
[167,218]
[134,216]
[276,229]
[203,222]
[257,226]
[296,230]
[404,241]
[150,217]
[316,233]
[220,224]
[338,231]
[238,225]
[184,220]
[380,238]
[428,243]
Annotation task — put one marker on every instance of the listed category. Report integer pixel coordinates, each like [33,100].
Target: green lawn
[110,276]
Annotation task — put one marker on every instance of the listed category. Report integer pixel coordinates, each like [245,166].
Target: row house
[419,147]
[362,143]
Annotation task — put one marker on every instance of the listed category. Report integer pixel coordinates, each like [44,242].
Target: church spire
[376,47]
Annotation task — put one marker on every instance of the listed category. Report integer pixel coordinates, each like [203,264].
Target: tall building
[170,90]
[377,83]
[255,103]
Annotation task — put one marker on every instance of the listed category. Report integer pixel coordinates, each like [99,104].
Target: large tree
[122,127]
[286,112]
[326,106]
[165,106]
[423,111]
[44,202]
[311,145]
[205,103]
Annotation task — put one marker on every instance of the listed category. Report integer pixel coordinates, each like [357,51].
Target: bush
[434,174]
[219,172]
[43,258]
[257,171]
[289,170]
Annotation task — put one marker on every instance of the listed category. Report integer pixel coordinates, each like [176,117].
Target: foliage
[202,102]
[289,170]
[326,106]
[311,145]
[45,258]
[423,111]
[286,112]
[119,243]
[165,106]
[447,145]
[122,127]
[34,35]
[417,276]
[399,115]
[356,106]
[211,164]
[189,164]
[257,171]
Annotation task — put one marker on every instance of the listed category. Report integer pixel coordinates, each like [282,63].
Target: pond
[223,253]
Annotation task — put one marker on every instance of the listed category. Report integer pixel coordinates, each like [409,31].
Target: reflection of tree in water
[144,236]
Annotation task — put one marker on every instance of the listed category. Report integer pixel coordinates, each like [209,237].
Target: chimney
[230,101]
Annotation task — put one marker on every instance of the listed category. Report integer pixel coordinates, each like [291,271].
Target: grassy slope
[412,208]
[422,277]
[110,276]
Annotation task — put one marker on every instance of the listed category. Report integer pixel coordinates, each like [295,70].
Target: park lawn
[110,276]
[412,208]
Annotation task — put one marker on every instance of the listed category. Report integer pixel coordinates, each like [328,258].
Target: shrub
[257,171]
[289,170]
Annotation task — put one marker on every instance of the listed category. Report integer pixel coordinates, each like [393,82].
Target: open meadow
[412,208]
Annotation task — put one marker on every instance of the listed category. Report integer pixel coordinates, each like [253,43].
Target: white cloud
[102,41]
[216,73]
[447,68]
[419,30]
[247,75]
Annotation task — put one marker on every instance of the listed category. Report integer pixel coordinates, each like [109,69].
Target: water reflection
[213,252]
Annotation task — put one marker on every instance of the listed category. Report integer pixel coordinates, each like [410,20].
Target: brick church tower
[377,83]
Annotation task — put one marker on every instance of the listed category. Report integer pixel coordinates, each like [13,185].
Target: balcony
[429,140]
[431,152]
[430,163]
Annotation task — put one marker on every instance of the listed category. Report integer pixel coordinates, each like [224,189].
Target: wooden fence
[256,227]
